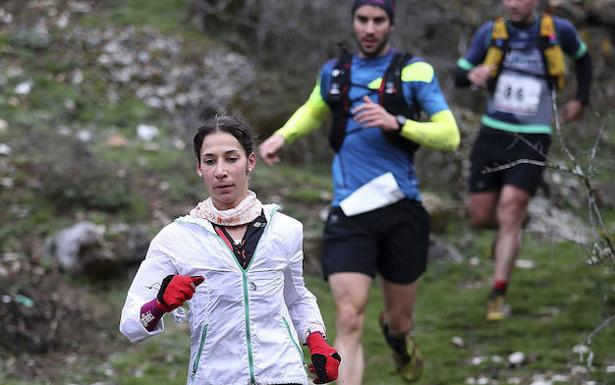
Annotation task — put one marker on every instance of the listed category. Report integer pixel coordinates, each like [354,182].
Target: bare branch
[594,150]
[531,145]
[489,170]
[603,247]
[598,329]
[558,126]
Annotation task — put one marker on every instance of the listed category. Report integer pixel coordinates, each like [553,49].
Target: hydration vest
[548,44]
[390,96]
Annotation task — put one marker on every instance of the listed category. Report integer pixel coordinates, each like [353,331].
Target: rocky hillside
[98,100]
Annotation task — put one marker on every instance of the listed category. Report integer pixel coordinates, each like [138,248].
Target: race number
[517,94]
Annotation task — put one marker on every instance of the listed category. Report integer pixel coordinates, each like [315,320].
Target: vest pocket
[197,358]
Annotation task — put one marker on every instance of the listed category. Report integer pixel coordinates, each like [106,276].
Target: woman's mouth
[224,187]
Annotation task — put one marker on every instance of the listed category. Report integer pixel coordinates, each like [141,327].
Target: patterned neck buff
[245,212]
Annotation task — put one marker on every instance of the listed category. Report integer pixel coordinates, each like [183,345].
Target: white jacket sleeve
[145,285]
[300,301]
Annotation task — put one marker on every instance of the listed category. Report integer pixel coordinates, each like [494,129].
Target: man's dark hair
[240,129]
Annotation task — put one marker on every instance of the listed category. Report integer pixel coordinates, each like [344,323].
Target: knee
[480,218]
[349,319]
[511,214]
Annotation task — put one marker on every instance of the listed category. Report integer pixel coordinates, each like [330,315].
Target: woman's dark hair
[226,123]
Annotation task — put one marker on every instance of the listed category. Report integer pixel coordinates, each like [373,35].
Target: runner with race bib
[519,59]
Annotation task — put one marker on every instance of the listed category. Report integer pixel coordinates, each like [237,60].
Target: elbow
[456,143]
[126,333]
[451,138]
[132,336]
[133,330]
[455,138]
[452,144]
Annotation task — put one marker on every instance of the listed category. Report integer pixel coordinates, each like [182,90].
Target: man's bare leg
[511,213]
[398,305]
[350,292]
[397,324]
[482,209]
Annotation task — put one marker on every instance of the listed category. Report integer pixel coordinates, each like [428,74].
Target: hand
[479,75]
[370,114]
[269,148]
[325,359]
[571,111]
[175,290]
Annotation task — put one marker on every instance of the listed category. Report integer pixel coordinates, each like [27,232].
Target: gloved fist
[175,290]
[325,359]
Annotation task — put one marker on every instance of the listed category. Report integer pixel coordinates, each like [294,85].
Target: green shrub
[72,176]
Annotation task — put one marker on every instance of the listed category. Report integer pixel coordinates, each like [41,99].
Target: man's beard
[377,51]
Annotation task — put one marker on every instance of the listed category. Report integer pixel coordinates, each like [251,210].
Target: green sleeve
[309,117]
[440,133]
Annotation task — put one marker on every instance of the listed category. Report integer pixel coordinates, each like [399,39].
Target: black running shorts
[497,148]
[392,241]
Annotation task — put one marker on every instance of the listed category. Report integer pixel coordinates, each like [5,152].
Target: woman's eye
[233,159]
[208,162]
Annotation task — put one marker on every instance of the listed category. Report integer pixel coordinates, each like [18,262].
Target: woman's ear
[198,169]
[251,162]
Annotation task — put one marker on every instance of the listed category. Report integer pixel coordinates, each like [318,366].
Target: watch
[316,329]
[401,120]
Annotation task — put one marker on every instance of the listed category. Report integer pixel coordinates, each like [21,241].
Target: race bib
[517,94]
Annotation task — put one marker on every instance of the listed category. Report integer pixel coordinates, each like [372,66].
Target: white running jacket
[246,326]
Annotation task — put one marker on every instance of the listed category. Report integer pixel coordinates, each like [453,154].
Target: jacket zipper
[246,302]
[197,359]
[246,297]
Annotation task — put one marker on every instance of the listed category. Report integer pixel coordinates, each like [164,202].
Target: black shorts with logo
[392,241]
[494,148]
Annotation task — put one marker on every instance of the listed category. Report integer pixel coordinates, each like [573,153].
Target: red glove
[175,290]
[325,359]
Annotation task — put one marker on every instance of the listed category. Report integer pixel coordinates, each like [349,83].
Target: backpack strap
[551,51]
[391,97]
[497,49]
[390,93]
[498,46]
[338,100]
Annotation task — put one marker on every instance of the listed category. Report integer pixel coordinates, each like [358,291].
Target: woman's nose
[220,171]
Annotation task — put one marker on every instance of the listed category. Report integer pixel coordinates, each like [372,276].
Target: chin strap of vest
[551,51]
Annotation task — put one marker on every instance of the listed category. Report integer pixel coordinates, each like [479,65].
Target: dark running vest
[390,96]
